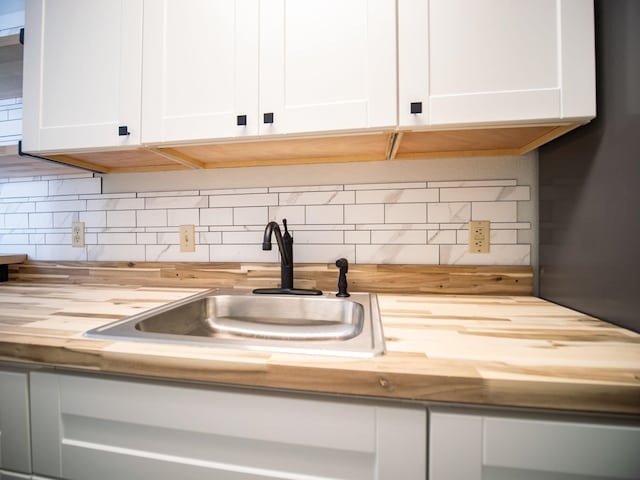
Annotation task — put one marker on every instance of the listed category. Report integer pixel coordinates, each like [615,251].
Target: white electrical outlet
[187,238]
[479,232]
[77,234]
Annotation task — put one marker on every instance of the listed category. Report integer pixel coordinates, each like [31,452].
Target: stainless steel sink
[323,325]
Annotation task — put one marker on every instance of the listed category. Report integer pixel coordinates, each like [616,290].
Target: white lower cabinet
[15,452]
[93,428]
[500,447]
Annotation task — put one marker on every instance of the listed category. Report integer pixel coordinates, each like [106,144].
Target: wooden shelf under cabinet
[492,141]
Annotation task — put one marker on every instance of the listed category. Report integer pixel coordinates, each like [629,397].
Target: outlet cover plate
[187,238]
[77,234]
[479,233]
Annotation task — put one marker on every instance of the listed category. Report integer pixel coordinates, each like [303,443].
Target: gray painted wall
[590,185]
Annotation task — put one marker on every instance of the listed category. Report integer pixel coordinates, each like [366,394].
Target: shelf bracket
[37,157]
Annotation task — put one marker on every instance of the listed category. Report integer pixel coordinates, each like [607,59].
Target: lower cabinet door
[495,447]
[100,428]
[15,452]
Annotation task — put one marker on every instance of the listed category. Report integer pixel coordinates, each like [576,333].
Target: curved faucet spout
[271,228]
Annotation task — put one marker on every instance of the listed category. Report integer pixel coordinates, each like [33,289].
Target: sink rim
[368,343]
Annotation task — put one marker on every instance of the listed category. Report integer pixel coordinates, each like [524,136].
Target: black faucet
[285,245]
[343,265]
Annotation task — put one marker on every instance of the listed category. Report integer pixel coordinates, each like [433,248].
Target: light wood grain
[477,142]
[388,145]
[485,350]
[492,280]
[6,259]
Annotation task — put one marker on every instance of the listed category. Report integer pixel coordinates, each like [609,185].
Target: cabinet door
[327,65]
[82,74]
[495,61]
[200,69]
[87,427]
[477,447]
[15,452]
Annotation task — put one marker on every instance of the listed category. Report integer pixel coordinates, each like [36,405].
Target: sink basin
[323,325]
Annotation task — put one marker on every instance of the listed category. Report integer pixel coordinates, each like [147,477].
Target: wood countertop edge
[263,372]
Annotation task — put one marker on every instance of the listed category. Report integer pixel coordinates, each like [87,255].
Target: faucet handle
[343,265]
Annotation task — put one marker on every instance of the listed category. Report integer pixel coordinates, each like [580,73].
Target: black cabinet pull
[241,120]
[268,117]
[123,130]
[416,107]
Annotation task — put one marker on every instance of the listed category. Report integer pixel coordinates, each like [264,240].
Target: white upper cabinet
[220,69]
[495,61]
[200,68]
[82,74]
[327,65]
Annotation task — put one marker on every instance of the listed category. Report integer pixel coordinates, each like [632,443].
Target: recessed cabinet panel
[200,69]
[494,61]
[82,74]
[15,449]
[496,447]
[327,65]
[102,428]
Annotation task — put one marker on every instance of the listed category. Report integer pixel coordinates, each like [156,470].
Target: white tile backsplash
[411,222]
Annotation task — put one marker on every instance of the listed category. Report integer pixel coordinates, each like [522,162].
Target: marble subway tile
[385,186]
[394,254]
[235,191]
[116,204]
[498,255]
[244,253]
[244,200]
[116,253]
[369,213]
[357,236]
[495,211]
[64,219]
[16,220]
[473,183]
[75,186]
[294,214]
[13,238]
[251,216]
[61,206]
[40,220]
[29,250]
[314,188]
[325,214]
[414,195]
[438,237]
[151,218]
[174,202]
[208,238]
[147,238]
[58,238]
[172,253]
[61,252]
[318,237]
[405,213]
[22,207]
[175,193]
[317,198]
[24,189]
[316,253]
[401,237]
[183,216]
[117,238]
[449,212]
[478,194]
[121,218]
[93,219]
[216,216]
[245,238]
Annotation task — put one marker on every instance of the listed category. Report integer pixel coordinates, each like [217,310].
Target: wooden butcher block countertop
[486,350]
